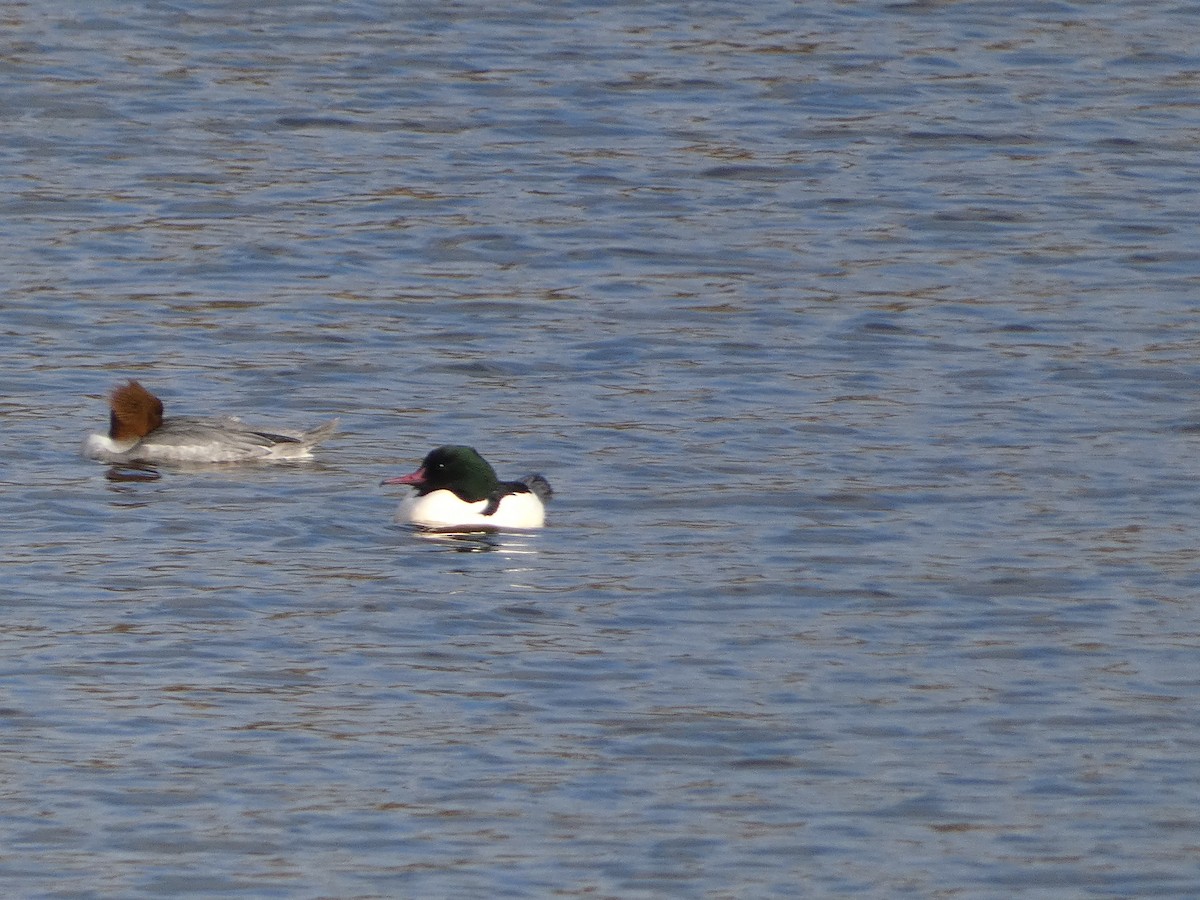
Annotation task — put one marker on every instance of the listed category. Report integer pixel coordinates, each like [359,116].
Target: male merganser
[138,432]
[457,490]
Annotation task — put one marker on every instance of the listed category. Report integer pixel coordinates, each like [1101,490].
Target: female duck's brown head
[134,412]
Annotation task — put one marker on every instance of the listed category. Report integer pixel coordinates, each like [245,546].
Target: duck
[458,490]
[138,433]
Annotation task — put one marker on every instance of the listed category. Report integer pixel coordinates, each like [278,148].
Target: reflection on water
[132,472]
[468,542]
[859,348]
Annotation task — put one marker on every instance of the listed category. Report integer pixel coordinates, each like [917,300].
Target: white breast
[102,447]
[442,509]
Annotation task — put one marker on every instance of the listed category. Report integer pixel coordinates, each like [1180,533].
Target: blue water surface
[859,342]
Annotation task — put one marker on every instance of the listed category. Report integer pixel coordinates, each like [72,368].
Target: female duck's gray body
[138,432]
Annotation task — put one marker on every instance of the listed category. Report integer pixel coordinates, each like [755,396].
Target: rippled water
[859,342]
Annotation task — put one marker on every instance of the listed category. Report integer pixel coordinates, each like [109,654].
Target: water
[858,340]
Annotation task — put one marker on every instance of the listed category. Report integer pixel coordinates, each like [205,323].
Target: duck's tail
[321,432]
[297,445]
[539,486]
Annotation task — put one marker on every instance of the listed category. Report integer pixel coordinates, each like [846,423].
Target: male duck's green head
[453,468]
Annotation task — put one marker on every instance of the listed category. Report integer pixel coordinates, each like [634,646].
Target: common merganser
[137,432]
[457,490]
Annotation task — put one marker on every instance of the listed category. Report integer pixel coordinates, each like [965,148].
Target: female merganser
[138,432]
[457,490]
